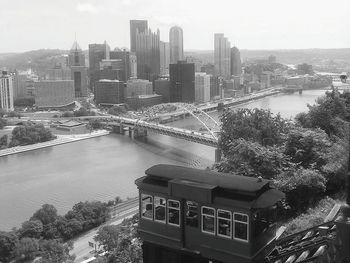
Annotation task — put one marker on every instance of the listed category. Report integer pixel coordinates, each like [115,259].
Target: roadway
[81,248]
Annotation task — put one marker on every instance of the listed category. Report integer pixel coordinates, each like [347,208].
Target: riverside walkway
[61,139]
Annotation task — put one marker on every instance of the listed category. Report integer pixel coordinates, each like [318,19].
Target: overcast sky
[249,24]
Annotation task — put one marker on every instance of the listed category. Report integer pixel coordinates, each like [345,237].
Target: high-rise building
[236,64]
[202,87]
[148,54]
[76,62]
[182,87]
[19,85]
[176,44]
[140,26]
[128,62]
[136,87]
[54,93]
[6,91]
[215,87]
[109,91]
[222,56]
[97,52]
[164,57]
[162,87]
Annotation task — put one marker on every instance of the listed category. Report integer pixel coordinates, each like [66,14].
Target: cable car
[193,215]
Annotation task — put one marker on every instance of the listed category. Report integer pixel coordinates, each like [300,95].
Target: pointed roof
[75,47]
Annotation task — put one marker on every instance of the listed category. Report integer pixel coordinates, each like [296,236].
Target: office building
[148,55]
[208,68]
[176,44]
[143,101]
[128,63]
[59,72]
[109,91]
[236,64]
[182,87]
[140,26]
[222,56]
[202,87]
[6,91]
[97,52]
[19,85]
[162,87]
[215,87]
[164,57]
[78,69]
[54,93]
[136,87]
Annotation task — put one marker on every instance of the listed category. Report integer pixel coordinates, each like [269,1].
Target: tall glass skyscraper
[176,44]
[136,25]
[222,56]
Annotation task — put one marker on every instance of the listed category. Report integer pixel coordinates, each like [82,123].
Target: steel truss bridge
[211,126]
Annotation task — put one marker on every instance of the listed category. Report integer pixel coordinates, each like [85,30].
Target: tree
[52,251]
[26,249]
[3,141]
[31,228]
[68,228]
[46,214]
[3,123]
[8,241]
[107,237]
[95,124]
[30,133]
[117,110]
[83,112]
[303,187]
[68,114]
[254,125]
[252,159]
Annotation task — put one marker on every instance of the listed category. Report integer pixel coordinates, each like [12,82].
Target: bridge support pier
[130,132]
[139,132]
[300,91]
[218,155]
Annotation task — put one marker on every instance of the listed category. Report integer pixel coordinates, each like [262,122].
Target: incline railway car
[192,215]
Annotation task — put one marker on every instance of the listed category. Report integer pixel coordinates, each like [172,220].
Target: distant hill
[286,56]
[38,60]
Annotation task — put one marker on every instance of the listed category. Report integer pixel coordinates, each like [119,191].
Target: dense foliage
[30,133]
[117,110]
[306,159]
[121,243]
[44,236]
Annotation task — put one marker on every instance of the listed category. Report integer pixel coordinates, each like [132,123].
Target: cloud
[88,8]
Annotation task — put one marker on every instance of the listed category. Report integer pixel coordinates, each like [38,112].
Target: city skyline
[269,25]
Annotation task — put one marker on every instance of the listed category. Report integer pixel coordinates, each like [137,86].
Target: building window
[240,222]
[192,214]
[147,206]
[173,212]
[208,220]
[159,209]
[224,223]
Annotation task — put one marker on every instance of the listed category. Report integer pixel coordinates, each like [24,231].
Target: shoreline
[61,139]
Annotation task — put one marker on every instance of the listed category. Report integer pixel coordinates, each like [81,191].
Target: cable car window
[208,220]
[159,209]
[147,206]
[173,212]
[240,222]
[192,213]
[224,223]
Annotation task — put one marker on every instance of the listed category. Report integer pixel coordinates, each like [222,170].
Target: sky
[249,24]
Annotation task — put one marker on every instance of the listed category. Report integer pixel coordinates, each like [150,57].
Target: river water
[105,167]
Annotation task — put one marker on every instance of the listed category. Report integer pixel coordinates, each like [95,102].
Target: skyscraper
[176,44]
[6,91]
[164,57]
[76,61]
[236,64]
[148,54]
[182,87]
[202,87]
[97,52]
[222,56]
[140,26]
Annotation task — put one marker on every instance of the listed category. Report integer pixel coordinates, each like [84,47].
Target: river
[105,167]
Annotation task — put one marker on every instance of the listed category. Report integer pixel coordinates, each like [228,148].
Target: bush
[3,123]
[30,133]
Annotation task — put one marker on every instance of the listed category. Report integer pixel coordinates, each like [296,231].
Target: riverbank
[61,139]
